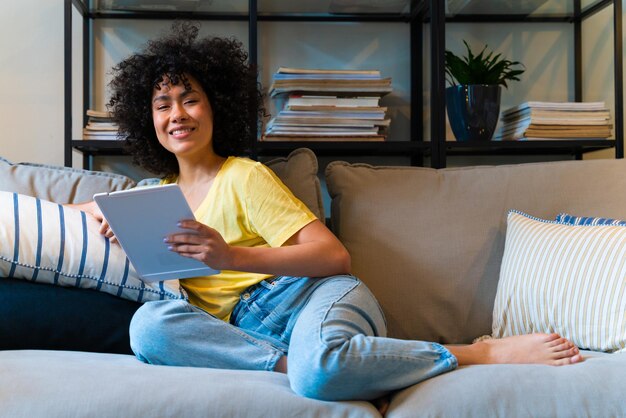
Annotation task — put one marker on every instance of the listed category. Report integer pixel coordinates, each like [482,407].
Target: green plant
[483,68]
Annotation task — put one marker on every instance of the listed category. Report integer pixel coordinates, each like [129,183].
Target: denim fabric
[332,329]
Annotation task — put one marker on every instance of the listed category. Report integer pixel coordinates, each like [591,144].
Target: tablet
[140,219]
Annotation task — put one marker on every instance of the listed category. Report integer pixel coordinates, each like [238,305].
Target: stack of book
[329,105]
[100,126]
[551,121]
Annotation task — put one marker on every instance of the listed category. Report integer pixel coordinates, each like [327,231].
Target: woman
[285,299]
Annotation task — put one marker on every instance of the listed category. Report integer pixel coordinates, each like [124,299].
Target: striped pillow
[587,220]
[569,279]
[45,242]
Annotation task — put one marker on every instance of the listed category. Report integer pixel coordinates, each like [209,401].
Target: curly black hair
[218,64]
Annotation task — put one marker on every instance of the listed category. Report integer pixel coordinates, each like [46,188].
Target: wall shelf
[416,13]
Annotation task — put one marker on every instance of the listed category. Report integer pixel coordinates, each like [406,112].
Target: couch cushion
[593,388]
[563,278]
[58,184]
[73,384]
[299,173]
[46,242]
[43,316]
[429,242]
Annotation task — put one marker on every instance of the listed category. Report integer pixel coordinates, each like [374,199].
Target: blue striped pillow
[587,220]
[45,242]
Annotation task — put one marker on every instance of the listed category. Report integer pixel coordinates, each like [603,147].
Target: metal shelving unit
[420,12]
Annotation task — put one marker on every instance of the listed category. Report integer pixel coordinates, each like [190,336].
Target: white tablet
[140,219]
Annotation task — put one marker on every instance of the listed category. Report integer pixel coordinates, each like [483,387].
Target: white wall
[31,80]
[31,44]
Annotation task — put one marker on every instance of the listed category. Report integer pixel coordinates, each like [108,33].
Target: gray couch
[427,242]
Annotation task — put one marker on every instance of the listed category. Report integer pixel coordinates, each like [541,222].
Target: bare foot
[551,349]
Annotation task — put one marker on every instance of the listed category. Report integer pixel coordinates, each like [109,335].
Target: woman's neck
[195,179]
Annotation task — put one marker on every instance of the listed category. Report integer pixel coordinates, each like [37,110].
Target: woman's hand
[312,251]
[202,243]
[92,209]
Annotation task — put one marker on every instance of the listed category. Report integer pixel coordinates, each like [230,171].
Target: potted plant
[473,99]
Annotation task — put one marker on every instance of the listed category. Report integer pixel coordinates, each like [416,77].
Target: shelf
[397,148]
[575,147]
[456,10]
[405,148]
[329,10]
[99,147]
[412,12]
[522,10]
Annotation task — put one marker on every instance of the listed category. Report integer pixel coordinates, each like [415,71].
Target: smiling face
[183,118]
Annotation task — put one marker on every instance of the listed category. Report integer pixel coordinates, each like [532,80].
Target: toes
[568,350]
[553,339]
[576,358]
[554,342]
[563,346]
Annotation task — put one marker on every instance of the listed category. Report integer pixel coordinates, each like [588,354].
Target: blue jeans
[332,329]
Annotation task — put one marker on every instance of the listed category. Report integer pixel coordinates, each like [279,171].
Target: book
[352,90]
[292,70]
[314,138]
[327,121]
[556,106]
[556,121]
[324,82]
[318,76]
[91,135]
[557,139]
[312,100]
[98,114]
[338,109]
[323,130]
[330,81]
[331,114]
[91,126]
[561,114]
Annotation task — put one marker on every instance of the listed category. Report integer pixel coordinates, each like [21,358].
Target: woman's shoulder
[248,173]
[243,165]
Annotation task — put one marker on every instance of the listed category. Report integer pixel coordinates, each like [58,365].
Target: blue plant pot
[473,111]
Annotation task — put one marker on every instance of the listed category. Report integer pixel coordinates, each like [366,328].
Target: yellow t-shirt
[250,207]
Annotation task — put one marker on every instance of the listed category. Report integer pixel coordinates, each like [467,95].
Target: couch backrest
[70,185]
[58,184]
[429,242]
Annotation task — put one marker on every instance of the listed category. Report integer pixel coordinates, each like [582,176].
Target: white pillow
[45,242]
[569,279]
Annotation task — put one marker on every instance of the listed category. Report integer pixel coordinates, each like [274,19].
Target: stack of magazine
[100,126]
[555,120]
[329,105]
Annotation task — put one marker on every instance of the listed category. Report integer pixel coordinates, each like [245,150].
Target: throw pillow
[40,316]
[563,278]
[587,220]
[58,184]
[46,242]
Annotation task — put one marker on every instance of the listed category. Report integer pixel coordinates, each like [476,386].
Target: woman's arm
[312,251]
[93,209]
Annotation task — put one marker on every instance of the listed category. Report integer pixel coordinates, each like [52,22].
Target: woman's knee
[150,328]
[310,377]
[322,375]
